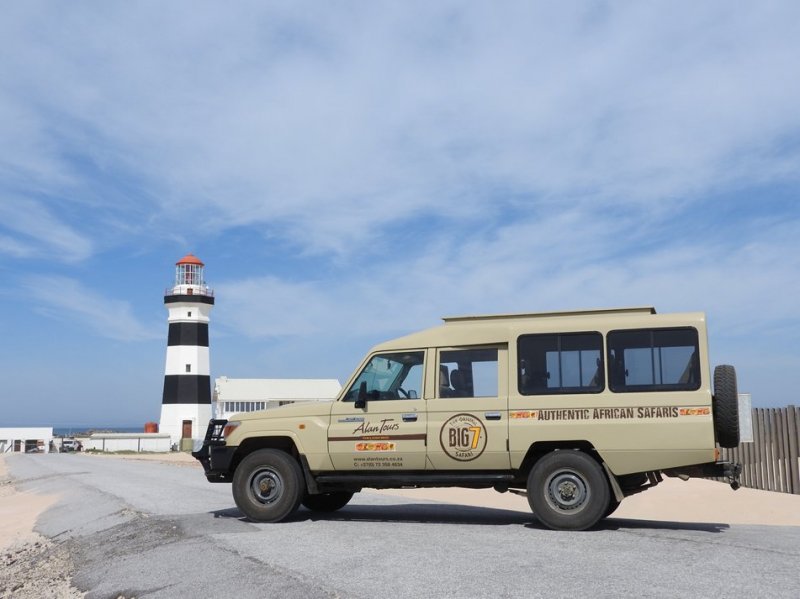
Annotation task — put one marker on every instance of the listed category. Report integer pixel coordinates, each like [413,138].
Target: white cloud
[326,127]
[747,283]
[435,158]
[43,234]
[267,306]
[14,248]
[68,300]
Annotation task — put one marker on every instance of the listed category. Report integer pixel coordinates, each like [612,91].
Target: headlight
[231,426]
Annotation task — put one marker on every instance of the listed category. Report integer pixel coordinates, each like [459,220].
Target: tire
[327,502]
[268,485]
[612,507]
[725,404]
[568,490]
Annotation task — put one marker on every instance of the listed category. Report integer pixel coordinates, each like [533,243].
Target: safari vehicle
[576,410]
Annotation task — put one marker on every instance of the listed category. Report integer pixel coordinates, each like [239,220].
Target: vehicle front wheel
[327,502]
[268,485]
[567,490]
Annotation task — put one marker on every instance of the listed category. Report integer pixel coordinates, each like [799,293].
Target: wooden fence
[771,462]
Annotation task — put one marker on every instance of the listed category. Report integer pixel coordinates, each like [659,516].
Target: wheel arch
[281,442]
[540,449]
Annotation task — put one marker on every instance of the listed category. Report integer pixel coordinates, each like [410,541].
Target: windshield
[390,376]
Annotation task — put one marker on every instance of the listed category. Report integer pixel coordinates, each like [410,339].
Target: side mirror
[361,400]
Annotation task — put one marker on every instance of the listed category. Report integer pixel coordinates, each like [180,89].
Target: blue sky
[351,172]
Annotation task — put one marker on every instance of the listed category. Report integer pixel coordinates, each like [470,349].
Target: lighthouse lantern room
[186,401]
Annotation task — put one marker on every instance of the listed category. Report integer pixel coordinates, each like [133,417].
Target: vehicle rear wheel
[612,507]
[567,490]
[327,502]
[726,406]
[268,485]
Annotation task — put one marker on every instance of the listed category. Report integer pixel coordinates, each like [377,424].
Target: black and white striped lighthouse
[186,402]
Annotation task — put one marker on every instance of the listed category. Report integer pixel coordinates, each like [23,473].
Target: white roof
[26,432]
[275,389]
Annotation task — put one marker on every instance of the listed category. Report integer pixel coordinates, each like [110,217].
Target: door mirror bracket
[361,400]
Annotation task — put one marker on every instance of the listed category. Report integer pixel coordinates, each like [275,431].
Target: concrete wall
[157,442]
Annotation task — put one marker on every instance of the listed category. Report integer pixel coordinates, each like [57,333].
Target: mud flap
[612,480]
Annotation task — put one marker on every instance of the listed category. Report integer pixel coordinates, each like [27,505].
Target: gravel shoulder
[31,566]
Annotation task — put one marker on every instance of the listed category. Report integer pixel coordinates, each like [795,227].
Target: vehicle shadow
[415,513]
[628,524]
[411,513]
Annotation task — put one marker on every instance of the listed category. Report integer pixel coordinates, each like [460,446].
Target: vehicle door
[468,416]
[380,423]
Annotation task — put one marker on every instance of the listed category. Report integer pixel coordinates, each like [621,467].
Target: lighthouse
[186,401]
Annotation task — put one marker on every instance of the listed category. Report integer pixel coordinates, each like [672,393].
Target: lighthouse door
[187,429]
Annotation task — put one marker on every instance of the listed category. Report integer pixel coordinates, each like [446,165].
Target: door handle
[409,417]
[492,415]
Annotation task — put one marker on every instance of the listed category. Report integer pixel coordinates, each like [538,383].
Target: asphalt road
[157,530]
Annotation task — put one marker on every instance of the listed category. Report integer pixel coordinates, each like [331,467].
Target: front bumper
[214,455]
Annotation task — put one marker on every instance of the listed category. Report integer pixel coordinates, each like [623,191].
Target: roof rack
[633,310]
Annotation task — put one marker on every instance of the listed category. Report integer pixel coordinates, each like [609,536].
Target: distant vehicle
[576,410]
[68,445]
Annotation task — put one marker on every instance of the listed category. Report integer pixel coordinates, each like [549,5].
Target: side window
[653,360]
[390,376]
[560,363]
[468,373]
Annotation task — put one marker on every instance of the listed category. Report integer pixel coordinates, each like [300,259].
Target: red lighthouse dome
[190,259]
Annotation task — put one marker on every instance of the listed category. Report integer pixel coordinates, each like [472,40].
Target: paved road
[157,530]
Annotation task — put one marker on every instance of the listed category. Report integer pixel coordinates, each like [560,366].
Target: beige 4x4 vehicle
[575,409]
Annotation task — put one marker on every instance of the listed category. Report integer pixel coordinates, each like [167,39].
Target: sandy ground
[32,566]
[174,458]
[671,501]
[18,511]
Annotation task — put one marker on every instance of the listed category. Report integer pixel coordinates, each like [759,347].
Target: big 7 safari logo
[463,437]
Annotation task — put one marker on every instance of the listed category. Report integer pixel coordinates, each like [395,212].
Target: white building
[249,395]
[25,439]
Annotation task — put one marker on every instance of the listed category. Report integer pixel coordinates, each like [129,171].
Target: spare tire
[725,405]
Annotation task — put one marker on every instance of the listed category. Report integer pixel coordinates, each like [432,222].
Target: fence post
[770,439]
[762,422]
[783,451]
[790,488]
[757,453]
[768,463]
[746,465]
[793,457]
[780,466]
